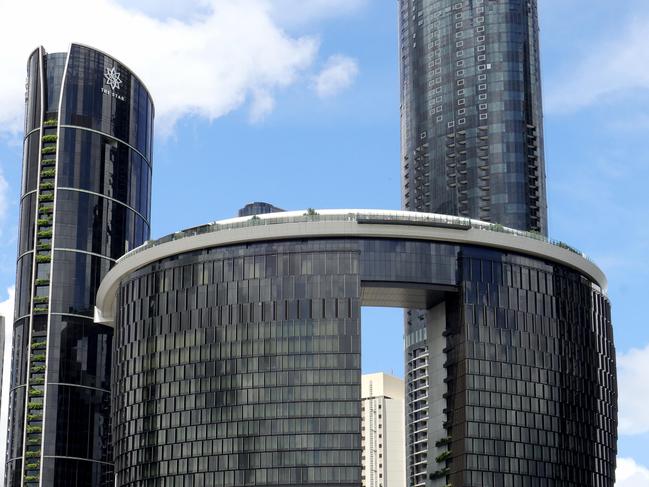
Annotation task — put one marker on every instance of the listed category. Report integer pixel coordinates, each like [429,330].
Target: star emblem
[113,78]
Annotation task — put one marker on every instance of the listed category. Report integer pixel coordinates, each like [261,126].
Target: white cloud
[633,386]
[614,68]
[339,73]
[630,474]
[299,12]
[4,189]
[7,306]
[262,104]
[202,57]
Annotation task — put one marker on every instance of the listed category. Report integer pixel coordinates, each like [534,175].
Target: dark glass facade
[258,208]
[85,202]
[240,365]
[471,115]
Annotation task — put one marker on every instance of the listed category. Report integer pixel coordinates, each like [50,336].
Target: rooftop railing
[384,217]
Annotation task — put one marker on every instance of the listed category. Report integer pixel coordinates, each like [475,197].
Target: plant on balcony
[44,246]
[44,233]
[48,162]
[34,417]
[34,429]
[32,478]
[51,122]
[49,138]
[37,369]
[48,150]
[40,299]
[443,441]
[40,357]
[43,221]
[35,405]
[42,282]
[442,457]
[43,259]
[35,392]
[40,310]
[37,345]
[46,186]
[37,381]
[438,474]
[46,197]
[31,466]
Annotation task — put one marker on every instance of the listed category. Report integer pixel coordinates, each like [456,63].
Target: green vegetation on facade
[48,150]
[442,457]
[438,474]
[443,441]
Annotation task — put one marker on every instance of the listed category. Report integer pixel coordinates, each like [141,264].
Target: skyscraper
[85,201]
[382,431]
[472,145]
[258,208]
[237,353]
[471,116]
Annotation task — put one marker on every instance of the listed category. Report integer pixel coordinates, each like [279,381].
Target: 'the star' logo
[113,78]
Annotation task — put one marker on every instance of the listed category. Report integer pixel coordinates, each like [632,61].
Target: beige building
[383,431]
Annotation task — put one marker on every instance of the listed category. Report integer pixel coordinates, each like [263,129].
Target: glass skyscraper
[471,115]
[237,354]
[85,201]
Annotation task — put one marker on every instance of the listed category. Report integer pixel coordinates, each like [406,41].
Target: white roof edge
[511,242]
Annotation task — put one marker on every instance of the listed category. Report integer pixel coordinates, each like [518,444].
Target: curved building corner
[85,201]
[237,350]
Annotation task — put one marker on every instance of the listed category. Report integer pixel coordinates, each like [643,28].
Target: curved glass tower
[237,353]
[85,201]
[471,115]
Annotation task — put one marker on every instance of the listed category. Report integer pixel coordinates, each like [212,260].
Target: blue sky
[297,103]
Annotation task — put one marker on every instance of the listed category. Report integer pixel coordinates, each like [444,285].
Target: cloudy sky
[296,102]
